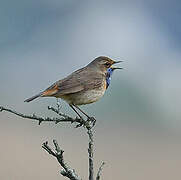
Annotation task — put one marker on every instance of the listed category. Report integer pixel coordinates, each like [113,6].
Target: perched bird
[83,86]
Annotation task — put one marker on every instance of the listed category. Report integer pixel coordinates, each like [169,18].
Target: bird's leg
[92,119]
[81,111]
[75,111]
[81,123]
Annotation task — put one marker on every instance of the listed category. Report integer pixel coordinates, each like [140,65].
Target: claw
[92,120]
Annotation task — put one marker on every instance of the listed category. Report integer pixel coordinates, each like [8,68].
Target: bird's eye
[107,64]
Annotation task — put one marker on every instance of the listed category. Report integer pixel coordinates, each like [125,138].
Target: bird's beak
[115,62]
[116,68]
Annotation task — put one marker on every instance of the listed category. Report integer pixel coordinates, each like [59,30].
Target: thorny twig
[40,119]
[90,152]
[58,153]
[99,171]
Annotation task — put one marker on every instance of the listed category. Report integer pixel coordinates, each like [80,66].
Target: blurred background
[138,128]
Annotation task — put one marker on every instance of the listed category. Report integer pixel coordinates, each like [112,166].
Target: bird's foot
[91,121]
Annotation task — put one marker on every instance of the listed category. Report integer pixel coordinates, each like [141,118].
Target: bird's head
[104,63]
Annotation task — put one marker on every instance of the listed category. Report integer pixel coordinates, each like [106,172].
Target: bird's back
[83,86]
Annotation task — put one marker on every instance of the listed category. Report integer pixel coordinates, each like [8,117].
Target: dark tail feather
[32,98]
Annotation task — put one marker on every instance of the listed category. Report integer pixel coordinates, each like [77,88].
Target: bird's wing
[83,79]
[62,87]
[76,82]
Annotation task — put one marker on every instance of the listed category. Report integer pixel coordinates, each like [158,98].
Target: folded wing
[82,79]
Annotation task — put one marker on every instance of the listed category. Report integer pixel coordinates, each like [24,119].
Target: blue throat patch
[108,77]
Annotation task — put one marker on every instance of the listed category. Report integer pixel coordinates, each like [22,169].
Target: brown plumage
[83,86]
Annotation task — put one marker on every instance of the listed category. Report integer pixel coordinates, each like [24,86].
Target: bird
[83,86]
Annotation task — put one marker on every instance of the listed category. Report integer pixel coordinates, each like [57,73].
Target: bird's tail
[34,97]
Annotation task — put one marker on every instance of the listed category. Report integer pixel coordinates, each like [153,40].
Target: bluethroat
[84,86]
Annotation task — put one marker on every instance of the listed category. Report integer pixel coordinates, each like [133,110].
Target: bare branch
[67,171]
[40,119]
[57,111]
[90,152]
[48,149]
[58,153]
[99,171]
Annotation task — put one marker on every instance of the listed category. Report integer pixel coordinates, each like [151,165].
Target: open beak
[115,62]
[116,68]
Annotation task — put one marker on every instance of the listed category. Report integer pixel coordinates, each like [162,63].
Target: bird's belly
[84,97]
